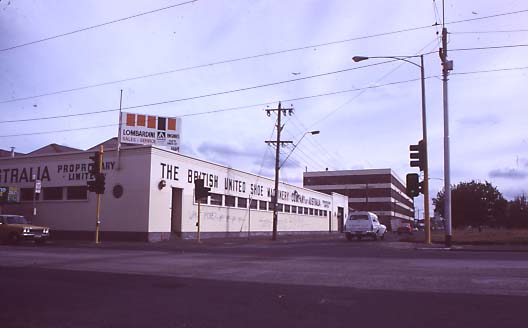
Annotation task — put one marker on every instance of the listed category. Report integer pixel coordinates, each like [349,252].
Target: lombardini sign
[151,130]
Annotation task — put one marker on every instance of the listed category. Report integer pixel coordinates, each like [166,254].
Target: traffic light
[93,167]
[418,155]
[199,190]
[97,185]
[413,185]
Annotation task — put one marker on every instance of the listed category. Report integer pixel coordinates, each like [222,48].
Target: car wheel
[348,236]
[375,236]
[14,238]
[382,236]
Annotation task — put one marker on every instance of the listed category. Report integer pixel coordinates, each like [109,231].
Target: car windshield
[359,217]
[15,220]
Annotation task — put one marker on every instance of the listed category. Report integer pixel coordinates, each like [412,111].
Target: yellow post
[199,201]
[98,210]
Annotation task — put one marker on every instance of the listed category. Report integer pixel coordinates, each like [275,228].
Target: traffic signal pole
[425,188]
[98,209]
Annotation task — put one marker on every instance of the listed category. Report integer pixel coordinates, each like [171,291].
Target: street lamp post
[298,142]
[424,134]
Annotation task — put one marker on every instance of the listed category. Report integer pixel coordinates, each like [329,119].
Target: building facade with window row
[149,196]
[379,191]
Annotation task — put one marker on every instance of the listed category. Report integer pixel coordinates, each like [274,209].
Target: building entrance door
[176,212]
[340,214]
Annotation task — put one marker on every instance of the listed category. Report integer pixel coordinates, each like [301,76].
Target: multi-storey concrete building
[379,191]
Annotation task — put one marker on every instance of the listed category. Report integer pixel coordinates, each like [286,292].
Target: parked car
[364,224]
[404,228]
[14,228]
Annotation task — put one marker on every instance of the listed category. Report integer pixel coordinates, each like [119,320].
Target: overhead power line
[285,100]
[96,26]
[491,47]
[207,112]
[89,86]
[488,17]
[488,32]
[227,61]
[264,103]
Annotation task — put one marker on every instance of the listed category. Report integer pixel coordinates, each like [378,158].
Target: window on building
[306,210]
[242,202]
[280,207]
[294,209]
[230,201]
[216,199]
[287,208]
[271,206]
[52,193]
[77,193]
[325,213]
[263,205]
[253,205]
[26,194]
[316,212]
[311,211]
[202,200]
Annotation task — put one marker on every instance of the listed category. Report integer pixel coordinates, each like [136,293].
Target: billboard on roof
[151,130]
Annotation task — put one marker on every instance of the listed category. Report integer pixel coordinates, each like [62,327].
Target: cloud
[486,120]
[269,161]
[210,149]
[511,193]
[508,174]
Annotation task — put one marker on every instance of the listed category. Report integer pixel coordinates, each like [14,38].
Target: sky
[218,64]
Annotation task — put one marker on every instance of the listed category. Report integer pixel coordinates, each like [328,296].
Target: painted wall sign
[235,184]
[63,171]
[151,130]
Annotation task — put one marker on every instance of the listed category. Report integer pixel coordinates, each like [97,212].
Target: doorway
[340,214]
[176,211]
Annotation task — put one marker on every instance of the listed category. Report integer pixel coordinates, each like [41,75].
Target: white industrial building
[149,196]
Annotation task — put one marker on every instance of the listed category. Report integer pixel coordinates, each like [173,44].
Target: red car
[405,228]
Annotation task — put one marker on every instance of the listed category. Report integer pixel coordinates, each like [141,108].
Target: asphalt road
[323,283]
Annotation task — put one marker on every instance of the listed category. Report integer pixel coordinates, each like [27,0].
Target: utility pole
[278,142]
[119,132]
[98,208]
[447,65]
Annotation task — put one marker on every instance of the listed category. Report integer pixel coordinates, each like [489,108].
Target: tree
[474,203]
[518,212]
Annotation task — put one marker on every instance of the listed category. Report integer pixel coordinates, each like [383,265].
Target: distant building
[379,191]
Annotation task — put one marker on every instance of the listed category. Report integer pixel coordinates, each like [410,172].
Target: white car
[364,224]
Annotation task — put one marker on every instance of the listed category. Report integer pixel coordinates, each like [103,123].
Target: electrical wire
[491,47]
[294,99]
[332,112]
[489,32]
[487,17]
[217,110]
[90,86]
[271,102]
[96,26]
[229,60]
[59,131]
